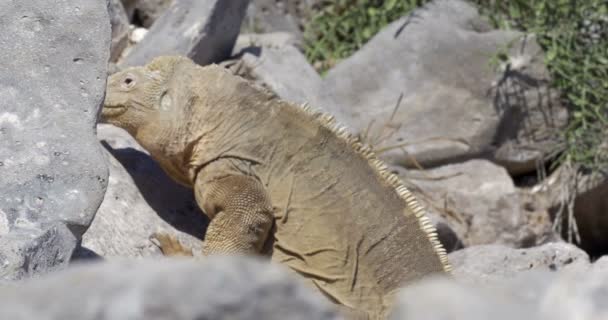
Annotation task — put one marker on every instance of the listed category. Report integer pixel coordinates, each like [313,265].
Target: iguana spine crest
[329,122]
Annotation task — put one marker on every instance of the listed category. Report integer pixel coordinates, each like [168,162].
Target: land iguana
[278,179]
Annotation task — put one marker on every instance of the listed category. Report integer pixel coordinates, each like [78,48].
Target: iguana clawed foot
[170,245]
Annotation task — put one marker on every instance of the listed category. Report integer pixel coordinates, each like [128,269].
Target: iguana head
[138,95]
[133,96]
[140,100]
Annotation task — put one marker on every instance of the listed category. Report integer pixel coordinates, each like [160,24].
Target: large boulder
[496,263]
[120,28]
[479,201]
[54,57]
[429,81]
[277,67]
[141,200]
[530,130]
[204,31]
[215,288]
[423,91]
[264,16]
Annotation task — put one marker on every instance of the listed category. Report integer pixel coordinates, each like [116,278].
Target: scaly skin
[280,180]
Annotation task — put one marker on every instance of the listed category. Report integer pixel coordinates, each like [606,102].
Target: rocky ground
[466,137]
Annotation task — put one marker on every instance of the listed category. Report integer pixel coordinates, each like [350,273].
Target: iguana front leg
[238,207]
[240,212]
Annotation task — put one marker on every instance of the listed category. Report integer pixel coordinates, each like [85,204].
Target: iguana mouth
[112,111]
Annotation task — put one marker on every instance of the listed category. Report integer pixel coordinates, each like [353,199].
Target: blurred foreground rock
[214,288]
[535,295]
[53,177]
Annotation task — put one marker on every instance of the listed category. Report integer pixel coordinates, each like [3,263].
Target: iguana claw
[169,245]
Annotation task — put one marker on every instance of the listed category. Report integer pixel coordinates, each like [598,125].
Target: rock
[143,13]
[285,71]
[252,42]
[265,16]
[141,199]
[219,287]
[146,12]
[443,299]
[583,192]
[591,212]
[433,65]
[480,203]
[137,35]
[531,128]
[130,6]
[496,263]
[52,84]
[577,295]
[29,252]
[601,263]
[429,95]
[537,295]
[120,29]
[204,31]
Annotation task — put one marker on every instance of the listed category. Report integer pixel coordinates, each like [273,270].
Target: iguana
[278,179]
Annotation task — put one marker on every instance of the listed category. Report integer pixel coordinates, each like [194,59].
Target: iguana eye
[128,82]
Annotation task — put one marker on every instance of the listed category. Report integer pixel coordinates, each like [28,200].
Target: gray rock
[205,31]
[480,203]
[215,288]
[577,295]
[446,299]
[120,29]
[141,199]
[273,61]
[54,62]
[437,59]
[146,12]
[533,117]
[601,263]
[130,6]
[495,263]
[253,42]
[537,295]
[31,252]
[264,16]
[422,91]
[286,72]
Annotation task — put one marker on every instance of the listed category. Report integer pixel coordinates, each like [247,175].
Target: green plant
[341,27]
[574,36]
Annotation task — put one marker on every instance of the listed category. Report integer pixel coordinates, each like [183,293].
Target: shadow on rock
[173,203]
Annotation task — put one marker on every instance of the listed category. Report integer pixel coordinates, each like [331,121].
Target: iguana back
[342,220]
